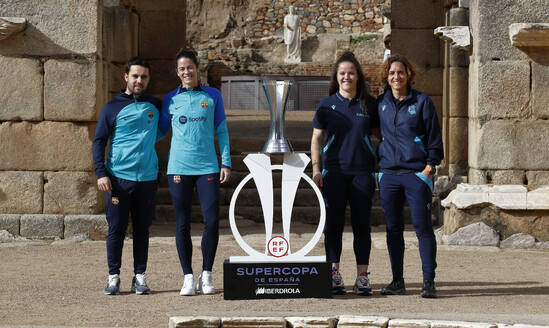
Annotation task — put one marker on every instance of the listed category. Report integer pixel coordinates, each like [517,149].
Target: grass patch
[363,38]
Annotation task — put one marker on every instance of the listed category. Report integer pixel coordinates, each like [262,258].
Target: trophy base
[244,281]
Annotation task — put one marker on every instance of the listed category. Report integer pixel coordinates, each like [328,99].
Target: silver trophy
[277,92]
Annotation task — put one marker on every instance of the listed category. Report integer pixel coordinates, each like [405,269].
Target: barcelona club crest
[204,104]
[176,179]
[151,114]
[115,200]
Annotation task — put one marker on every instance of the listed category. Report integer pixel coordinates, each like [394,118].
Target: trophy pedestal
[271,280]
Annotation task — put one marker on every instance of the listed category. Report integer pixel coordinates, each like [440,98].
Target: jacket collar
[180,89]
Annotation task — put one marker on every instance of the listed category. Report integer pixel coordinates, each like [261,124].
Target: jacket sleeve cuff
[223,166]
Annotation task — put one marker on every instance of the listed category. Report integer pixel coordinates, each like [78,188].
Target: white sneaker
[205,285]
[189,284]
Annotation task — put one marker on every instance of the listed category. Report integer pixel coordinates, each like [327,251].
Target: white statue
[292,36]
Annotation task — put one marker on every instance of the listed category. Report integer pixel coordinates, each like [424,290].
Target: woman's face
[187,72]
[398,77]
[347,77]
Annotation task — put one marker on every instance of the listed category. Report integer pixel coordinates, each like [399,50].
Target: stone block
[537,178]
[161,34]
[45,146]
[421,47]
[510,197]
[429,81]
[10,223]
[507,144]
[352,321]
[458,94]
[311,322]
[41,226]
[116,80]
[71,89]
[505,222]
[235,322]
[538,199]
[460,324]
[120,33]
[507,177]
[458,57]
[21,192]
[94,226]
[54,27]
[467,195]
[457,140]
[420,14]
[72,193]
[490,26]
[194,322]
[540,90]
[163,77]
[518,240]
[503,90]
[476,234]
[408,323]
[21,92]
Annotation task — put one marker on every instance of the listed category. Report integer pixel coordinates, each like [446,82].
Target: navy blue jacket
[348,149]
[131,125]
[410,133]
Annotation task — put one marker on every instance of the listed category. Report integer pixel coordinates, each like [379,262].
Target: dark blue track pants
[137,198]
[357,190]
[393,189]
[207,188]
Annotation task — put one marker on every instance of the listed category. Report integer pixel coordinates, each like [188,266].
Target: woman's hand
[104,184]
[427,172]
[317,178]
[224,174]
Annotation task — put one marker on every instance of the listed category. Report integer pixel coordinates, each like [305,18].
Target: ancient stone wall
[51,92]
[508,103]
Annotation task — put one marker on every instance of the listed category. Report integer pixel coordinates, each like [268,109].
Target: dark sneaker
[113,285]
[362,285]
[396,287]
[338,288]
[139,285]
[428,290]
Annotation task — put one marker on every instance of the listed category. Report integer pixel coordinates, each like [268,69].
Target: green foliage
[363,38]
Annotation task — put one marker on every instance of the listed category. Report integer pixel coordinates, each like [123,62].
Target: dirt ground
[61,284]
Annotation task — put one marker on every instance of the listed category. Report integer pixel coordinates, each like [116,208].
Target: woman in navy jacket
[342,125]
[410,148]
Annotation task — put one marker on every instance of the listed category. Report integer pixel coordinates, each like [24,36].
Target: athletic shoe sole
[112,293]
[339,291]
[363,291]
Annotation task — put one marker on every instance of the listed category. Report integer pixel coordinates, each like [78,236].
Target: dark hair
[139,61]
[410,70]
[186,53]
[361,85]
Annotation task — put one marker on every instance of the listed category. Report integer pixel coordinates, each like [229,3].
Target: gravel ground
[61,284]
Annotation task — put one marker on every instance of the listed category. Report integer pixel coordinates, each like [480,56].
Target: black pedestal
[243,281]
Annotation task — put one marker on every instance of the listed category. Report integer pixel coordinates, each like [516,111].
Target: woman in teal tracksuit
[196,116]
[410,148]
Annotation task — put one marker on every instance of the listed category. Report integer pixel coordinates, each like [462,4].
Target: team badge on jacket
[412,110]
[151,114]
[204,104]
[115,200]
[176,179]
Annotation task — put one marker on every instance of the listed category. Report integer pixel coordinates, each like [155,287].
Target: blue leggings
[181,189]
[417,190]
[139,199]
[358,190]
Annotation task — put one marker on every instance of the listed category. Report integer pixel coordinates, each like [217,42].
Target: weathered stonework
[71,90]
[120,28]
[154,42]
[45,146]
[53,27]
[540,90]
[505,222]
[94,226]
[21,192]
[508,144]
[10,223]
[21,84]
[72,193]
[42,226]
